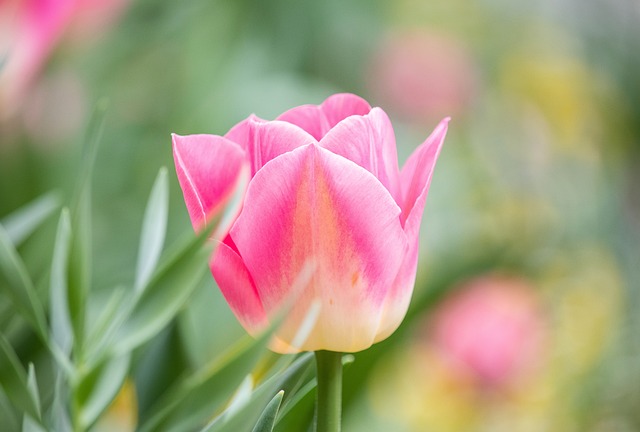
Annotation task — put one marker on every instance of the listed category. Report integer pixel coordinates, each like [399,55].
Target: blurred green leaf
[13,378]
[80,255]
[23,222]
[168,290]
[153,230]
[195,398]
[98,389]
[19,287]
[59,413]
[110,317]
[289,378]
[28,423]
[268,417]
[9,419]
[61,328]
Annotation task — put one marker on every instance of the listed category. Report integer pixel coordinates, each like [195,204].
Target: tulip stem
[329,391]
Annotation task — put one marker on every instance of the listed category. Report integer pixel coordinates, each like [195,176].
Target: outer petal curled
[317,120]
[370,142]
[208,168]
[311,203]
[415,178]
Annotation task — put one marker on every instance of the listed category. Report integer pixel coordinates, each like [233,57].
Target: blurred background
[526,311]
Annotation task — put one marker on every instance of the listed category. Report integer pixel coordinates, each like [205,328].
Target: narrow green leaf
[13,378]
[289,378]
[90,143]
[80,253]
[61,328]
[32,386]
[59,413]
[195,398]
[28,423]
[167,292]
[108,320]
[23,222]
[98,389]
[267,419]
[79,268]
[19,287]
[153,230]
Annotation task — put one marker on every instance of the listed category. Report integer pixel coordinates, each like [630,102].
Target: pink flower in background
[492,326]
[31,29]
[423,75]
[325,187]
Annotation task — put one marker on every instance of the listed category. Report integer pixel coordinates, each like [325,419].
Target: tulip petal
[370,142]
[415,178]
[317,120]
[208,167]
[313,204]
[238,289]
[416,173]
[264,140]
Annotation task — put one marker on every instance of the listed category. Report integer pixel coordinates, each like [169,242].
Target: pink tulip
[325,187]
[493,327]
[30,30]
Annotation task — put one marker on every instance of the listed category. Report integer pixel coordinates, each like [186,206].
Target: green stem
[329,392]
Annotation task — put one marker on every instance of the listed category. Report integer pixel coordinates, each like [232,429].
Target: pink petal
[308,117]
[208,168]
[33,30]
[415,178]
[264,140]
[342,105]
[398,298]
[313,204]
[370,142]
[317,120]
[238,289]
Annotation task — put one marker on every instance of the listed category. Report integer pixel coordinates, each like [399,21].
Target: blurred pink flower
[492,326]
[325,187]
[30,31]
[423,75]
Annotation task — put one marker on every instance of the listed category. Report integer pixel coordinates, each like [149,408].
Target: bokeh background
[526,311]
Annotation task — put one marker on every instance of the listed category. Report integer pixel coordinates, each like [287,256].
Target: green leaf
[28,423]
[59,413]
[19,287]
[267,419]
[289,378]
[195,398]
[111,315]
[23,222]
[153,230]
[166,293]
[79,277]
[98,389]
[61,327]
[13,378]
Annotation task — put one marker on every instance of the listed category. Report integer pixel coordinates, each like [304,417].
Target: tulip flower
[325,187]
[30,31]
[494,327]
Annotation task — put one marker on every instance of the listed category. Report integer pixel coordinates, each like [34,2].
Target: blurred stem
[329,391]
